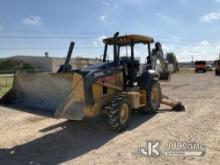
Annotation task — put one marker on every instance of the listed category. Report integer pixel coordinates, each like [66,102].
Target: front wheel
[119,112]
[153,97]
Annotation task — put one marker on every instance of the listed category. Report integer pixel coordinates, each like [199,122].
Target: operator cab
[126,62]
[129,63]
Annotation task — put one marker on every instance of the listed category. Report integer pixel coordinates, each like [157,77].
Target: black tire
[153,104]
[115,118]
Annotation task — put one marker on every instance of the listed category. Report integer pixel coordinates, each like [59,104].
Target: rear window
[200,62]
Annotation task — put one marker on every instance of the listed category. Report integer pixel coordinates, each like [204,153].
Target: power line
[177,42]
[84,33]
[48,37]
[41,48]
[58,32]
[79,37]
[200,46]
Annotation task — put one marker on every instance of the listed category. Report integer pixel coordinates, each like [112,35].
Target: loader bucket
[54,93]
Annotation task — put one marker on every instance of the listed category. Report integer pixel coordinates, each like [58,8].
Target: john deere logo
[98,74]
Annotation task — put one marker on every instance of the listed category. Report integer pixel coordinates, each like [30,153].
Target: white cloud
[200,51]
[167,48]
[99,41]
[218,1]
[212,16]
[33,20]
[109,5]
[103,17]
[204,43]
[166,18]
[135,1]
[218,46]
[106,4]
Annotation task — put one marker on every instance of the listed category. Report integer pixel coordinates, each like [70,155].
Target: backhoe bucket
[165,75]
[59,94]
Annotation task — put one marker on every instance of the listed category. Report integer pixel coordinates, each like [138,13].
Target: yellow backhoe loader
[113,87]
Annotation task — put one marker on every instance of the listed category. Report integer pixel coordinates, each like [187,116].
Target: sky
[189,28]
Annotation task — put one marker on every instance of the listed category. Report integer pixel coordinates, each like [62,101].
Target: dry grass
[6,82]
[187,70]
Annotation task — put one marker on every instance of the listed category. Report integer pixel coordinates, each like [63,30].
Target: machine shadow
[39,112]
[165,110]
[66,141]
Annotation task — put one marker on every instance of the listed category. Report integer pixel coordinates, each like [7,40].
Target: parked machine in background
[171,59]
[209,68]
[200,66]
[217,67]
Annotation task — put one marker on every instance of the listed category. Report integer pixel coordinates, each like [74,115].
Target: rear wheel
[119,112]
[153,97]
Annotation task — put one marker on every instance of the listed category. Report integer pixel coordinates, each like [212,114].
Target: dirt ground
[31,139]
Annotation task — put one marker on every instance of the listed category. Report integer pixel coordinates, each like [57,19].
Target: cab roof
[128,39]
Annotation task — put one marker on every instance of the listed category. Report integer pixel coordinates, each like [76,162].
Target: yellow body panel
[102,95]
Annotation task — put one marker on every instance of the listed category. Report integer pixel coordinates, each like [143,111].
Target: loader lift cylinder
[116,56]
[105,53]
[149,53]
[132,65]
[66,67]
[69,53]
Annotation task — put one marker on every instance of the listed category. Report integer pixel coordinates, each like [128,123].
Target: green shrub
[15,65]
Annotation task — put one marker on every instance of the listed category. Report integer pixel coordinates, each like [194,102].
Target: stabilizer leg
[176,106]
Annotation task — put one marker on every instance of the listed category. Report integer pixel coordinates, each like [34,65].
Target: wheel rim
[154,96]
[124,113]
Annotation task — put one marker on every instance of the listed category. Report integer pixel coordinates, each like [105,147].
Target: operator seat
[127,70]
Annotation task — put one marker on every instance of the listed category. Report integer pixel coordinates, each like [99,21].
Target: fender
[147,77]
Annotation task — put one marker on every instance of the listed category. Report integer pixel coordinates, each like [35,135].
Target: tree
[16,65]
